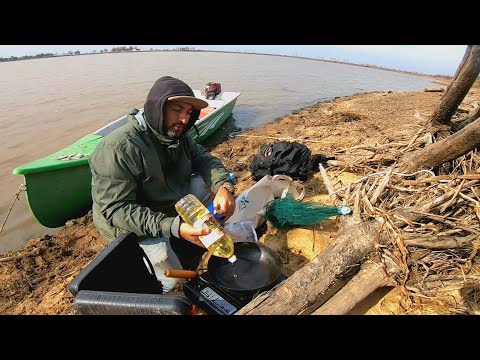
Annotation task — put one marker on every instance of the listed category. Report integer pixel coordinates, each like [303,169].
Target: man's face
[176,115]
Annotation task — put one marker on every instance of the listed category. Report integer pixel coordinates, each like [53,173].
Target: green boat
[58,186]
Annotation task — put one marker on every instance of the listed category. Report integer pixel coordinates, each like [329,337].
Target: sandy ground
[34,280]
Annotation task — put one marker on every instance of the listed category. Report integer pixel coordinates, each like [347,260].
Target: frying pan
[257,269]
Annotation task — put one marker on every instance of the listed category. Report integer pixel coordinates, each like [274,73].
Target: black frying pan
[257,268]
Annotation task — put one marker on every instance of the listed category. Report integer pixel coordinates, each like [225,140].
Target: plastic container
[217,242]
[121,281]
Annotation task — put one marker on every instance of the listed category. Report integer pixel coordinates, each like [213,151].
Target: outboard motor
[212,89]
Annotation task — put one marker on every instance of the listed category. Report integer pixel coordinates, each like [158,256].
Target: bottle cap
[345,210]
[232,259]
[215,215]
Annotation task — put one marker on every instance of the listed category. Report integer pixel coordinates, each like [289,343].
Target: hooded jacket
[138,173]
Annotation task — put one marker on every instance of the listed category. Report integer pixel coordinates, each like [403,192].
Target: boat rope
[20,189]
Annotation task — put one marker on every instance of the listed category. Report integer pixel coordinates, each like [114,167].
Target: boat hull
[56,196]
[207,128]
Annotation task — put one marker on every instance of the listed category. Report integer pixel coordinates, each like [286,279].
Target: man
[142,169]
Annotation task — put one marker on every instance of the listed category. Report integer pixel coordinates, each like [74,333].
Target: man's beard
[172,133]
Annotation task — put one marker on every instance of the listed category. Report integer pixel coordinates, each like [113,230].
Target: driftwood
[460,66]
[286,138]
[467,73]
[441,178]
[442,151]
[434,90]
[302,292]
[34,252]
[415,214]
[327,182]
[371,277]
[438,242]
[471,117]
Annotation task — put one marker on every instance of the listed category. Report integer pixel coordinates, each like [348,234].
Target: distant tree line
[72,53]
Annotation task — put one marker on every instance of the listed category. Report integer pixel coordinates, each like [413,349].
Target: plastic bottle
[193,212]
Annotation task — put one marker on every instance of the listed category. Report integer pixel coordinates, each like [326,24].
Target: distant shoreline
[434,77]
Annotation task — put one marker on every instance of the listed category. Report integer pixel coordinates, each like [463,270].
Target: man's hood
[164,88]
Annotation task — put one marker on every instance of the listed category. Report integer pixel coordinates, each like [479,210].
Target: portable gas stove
[215,300]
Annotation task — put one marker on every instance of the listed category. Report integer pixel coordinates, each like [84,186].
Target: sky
[425,59]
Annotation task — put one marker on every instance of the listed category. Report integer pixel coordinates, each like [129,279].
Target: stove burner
[214,299]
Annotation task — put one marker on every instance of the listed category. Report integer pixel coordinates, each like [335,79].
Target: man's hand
[189,233]
[224,203]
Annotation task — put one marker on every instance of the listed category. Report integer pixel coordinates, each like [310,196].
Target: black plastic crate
[121,281]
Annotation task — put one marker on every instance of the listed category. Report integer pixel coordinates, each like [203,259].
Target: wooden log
[460,67]
[302,292]
[371,277]
[434,90]
[458,88]
[442,151]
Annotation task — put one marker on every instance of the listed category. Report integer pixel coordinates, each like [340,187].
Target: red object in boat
[205,111]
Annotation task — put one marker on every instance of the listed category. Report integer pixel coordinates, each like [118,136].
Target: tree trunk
[460,67]
[467,73]
[371,277]
[302,292]
[445,150]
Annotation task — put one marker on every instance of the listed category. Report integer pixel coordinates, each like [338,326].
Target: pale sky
[426,59]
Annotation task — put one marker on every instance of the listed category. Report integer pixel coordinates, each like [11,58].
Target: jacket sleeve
[115,170]
[208,166]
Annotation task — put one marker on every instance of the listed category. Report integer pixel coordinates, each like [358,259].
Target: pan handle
[183,274]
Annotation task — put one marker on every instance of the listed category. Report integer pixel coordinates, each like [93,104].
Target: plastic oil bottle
[217,242]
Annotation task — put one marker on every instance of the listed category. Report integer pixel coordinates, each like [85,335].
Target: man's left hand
[224,203]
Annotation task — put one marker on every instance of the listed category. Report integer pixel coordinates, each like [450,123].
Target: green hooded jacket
[138,173]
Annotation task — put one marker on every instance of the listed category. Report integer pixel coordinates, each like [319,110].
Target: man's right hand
[189,233]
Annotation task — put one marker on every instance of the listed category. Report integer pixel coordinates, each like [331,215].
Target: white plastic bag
[162,257]
[250,204]
[243,231]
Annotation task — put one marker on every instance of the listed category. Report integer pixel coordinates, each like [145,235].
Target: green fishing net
[285,212]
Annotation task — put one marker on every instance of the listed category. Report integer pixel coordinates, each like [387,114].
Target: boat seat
[121,281]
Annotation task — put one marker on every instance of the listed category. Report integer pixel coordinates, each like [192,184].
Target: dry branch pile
[432,222]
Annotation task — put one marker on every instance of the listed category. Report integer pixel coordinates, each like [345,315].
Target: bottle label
[198,224]
[209,239]
[215,234]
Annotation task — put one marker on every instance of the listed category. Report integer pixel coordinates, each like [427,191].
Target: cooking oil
[217,242]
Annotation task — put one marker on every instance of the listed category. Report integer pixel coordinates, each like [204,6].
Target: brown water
[49,103]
